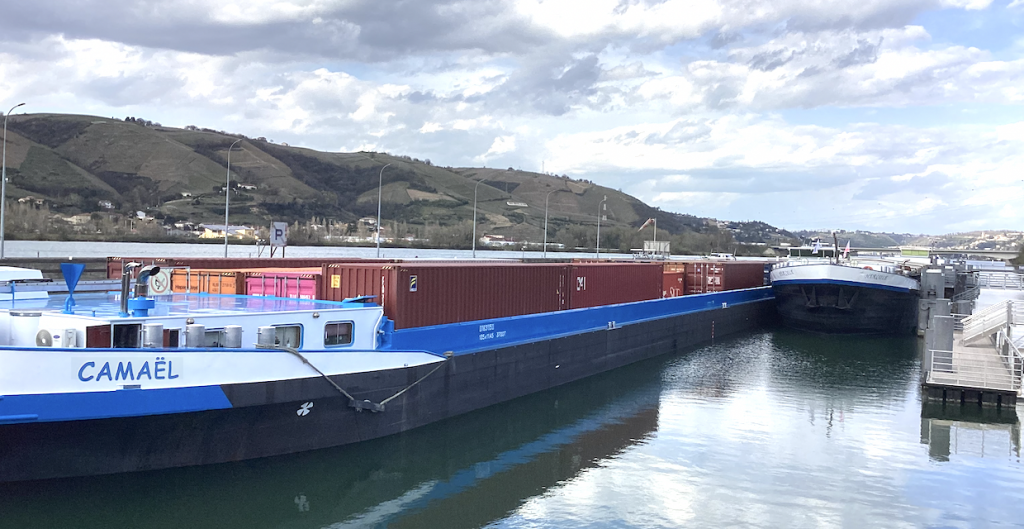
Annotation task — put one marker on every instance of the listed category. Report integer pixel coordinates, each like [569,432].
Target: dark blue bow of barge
[485,362]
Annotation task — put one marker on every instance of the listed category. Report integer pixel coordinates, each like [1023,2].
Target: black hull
[265,419]
[846,309]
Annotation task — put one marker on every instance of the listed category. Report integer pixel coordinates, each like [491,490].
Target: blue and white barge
[124,382]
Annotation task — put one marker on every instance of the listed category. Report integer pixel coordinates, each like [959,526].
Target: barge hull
[287,416]
[833,308]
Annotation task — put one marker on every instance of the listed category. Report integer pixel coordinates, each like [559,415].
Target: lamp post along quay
[478,182]
[546,219]
[3,181]
[600,208]
[227,197]
[380,187]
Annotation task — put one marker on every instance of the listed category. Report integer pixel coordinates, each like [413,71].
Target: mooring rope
[358,405]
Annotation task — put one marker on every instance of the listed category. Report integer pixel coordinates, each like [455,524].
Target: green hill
[79,163]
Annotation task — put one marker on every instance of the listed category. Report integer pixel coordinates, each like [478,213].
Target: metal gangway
[985,355]
[1001,280]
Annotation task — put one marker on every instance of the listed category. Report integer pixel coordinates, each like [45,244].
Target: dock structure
[979,361]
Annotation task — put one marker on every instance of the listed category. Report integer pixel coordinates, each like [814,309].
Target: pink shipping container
[598,284]
[299,284]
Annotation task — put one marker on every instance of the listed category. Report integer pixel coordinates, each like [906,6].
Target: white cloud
[682,103]
[501,145]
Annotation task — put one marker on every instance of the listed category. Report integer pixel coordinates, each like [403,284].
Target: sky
[880,115]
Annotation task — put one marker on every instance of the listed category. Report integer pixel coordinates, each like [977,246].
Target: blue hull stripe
[470,337]
[106,404]
[840,282]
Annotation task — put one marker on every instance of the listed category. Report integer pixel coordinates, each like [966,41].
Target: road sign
[279,234]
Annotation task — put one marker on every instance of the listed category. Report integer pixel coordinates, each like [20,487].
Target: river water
[765,429]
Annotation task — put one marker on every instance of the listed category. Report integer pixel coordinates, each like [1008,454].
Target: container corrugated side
[304,283]
[743,274]
[673,284]
[720,276]
[340,281]
[232,263]
[597,284]
[115,264]
[209,281]
[435,294]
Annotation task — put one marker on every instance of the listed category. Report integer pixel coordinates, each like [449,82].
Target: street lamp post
[3,181]
[474,216]
[599,208]
[380,187]
[227,198]
[546,221]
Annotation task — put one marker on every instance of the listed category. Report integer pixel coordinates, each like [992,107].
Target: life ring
[868,268]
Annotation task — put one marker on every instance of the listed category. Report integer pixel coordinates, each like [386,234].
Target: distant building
[216,231]
[247,187]
[496,240]
[105,204]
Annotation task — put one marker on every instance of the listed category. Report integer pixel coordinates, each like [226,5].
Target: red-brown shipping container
[720,276]
[673,284]
[675,266]
[115,264]
[598,284]
[424,294]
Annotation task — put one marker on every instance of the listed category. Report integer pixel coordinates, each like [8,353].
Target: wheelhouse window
[338,333]
[288,335]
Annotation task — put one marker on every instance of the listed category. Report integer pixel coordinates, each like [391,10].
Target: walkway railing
[1003,280]
[976,369]
[983,324]
[969,294]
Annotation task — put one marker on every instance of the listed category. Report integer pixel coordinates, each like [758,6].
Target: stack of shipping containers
[423,293]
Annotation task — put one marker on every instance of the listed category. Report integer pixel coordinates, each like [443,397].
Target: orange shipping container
[207,281]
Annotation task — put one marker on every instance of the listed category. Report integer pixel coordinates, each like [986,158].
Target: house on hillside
[216,231]
[248,187]
[496,240]
[32,201]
